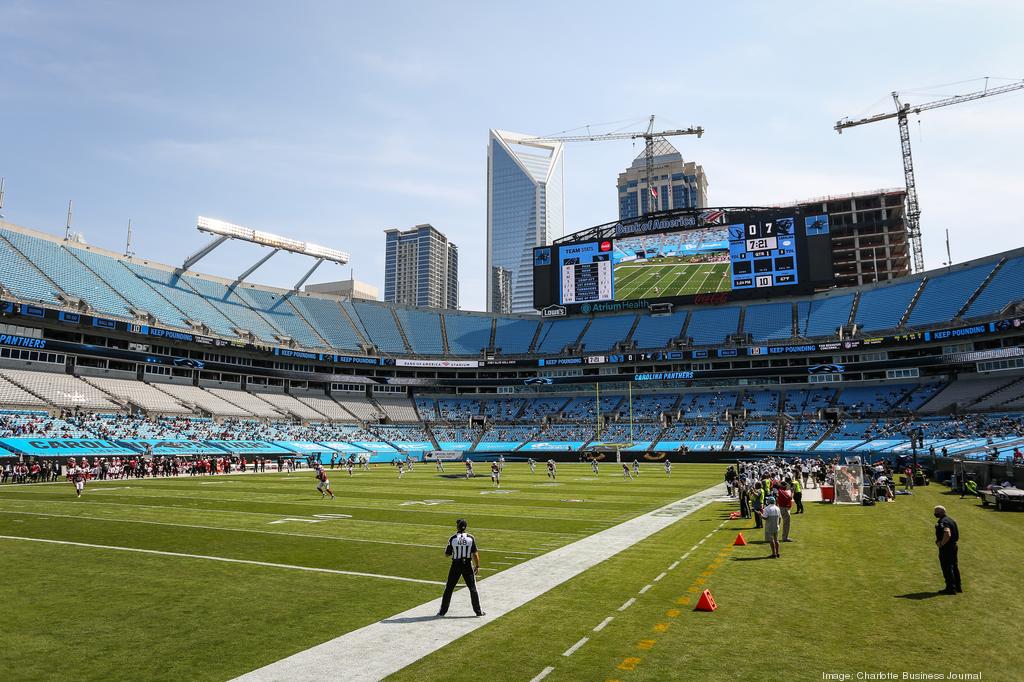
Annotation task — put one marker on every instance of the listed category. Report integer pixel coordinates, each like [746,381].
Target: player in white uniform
[496,474]
[625,471]
[501,462]
[551,469]
[668,467]
[636,469]
[323,485]
[77,475]
[533,465]
[401,468]
[593,465]
[438,464]
[469,468]
[349,463]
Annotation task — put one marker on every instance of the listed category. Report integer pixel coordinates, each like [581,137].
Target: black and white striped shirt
[461,546]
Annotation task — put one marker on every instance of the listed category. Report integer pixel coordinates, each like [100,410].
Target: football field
[210,578]
[669,277]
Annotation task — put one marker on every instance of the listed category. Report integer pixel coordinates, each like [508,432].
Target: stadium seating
[514,336]
[143,395]
[12,395]
[330,409]
[711,405]
[604,332]
[326,317]
[537,408]
[712,325]
[650,407]
[288,404]
[584,408]
[22,280]
[184,298]
[504,409]
[458,409]
[277,309]
[656,332]
[761,403]
[467,334]
[823,316]
[943,296]
[397,409]
[883,307]
[423,329]
[769,321]
[203,400]
[234,308]
[1003,289]
[555,335]
[380,327]
[61,390]
[358,407]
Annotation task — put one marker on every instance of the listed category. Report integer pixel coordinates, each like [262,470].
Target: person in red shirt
[784,500]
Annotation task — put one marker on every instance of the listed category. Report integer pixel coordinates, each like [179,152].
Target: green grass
[669,277]
[147,616]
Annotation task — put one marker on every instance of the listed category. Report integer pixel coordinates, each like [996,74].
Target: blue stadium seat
[1005,288]
[279,311]
[61,267]
[823,316]
[514,336]
[468,334]
[326,317]
[769,321]
[656,332]
[234,308]
[945,295]
[711,325]
[557,334]
[423,329]
[604,332]
[380,327]
[22,280]
[883,307]
[183,297]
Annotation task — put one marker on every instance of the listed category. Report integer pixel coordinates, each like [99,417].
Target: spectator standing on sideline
[757,503]
[798,495]
[465,557]
[947,535]
[785,503]
[772,514]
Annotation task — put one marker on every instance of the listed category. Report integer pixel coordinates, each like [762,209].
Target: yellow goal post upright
[597,444]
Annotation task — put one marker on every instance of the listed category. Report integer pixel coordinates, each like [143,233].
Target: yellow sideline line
[224,559]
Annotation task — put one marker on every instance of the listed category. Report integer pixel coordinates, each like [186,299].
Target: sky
[331,122]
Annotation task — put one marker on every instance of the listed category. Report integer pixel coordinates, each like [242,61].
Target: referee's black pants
[950,568]
[464,568]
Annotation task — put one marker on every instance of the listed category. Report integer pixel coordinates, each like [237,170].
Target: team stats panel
[763,254]
[586,274]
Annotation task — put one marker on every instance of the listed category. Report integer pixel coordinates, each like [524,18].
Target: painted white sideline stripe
[542,674]
[673,566]
[600,626]
[629,602]
[645,588]
[660,576]
[224,559]
[362,658]
[571,650]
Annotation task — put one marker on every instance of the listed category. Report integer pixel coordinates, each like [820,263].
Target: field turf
[670,277]
[133,615]
[855,592]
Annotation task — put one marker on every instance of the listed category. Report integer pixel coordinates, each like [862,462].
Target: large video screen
[749,253]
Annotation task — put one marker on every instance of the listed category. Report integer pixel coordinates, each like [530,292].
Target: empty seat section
[769,321]
[557,334]
[657,332]
[503,409]
[423,329]
[234,308]
[513,336]
[247,401]
[1006,287]
[68,273]
[458,409]
[359,406]
[326,317]
[139,293]
[712,325]
[467,334]
[398,409]
[138,393]
[380,327]
[604,332]
[327,407]
[288,404]
[15,396]
[824,316]
[21,279]
[427,409]
[62,390]
[883,307]
[203,400]
[945,295]
[195,307]
[277,308]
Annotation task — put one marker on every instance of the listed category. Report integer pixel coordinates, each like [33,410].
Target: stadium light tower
[224,231]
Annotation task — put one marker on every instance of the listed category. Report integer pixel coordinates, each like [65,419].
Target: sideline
[358,656]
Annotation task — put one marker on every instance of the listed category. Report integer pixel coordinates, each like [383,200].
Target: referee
[462,549]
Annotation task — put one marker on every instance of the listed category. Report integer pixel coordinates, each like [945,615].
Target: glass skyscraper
[525,209]
[421,268]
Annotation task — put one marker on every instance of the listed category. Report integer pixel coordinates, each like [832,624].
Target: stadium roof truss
[677,219]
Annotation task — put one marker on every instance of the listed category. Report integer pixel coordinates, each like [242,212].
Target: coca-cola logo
[711,299]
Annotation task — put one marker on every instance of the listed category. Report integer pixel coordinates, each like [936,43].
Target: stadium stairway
[445,347]
[981,287]
[913,301]
[401,332]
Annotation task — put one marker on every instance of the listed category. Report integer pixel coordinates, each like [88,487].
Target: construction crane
[901,114]
[648,137]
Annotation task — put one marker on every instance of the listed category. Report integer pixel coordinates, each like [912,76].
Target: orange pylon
[706,602]
[739,541]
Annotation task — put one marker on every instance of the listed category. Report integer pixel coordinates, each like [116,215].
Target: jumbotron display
[729,253]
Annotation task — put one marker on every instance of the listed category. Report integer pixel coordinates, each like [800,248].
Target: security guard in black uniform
[946,537]
[466,563]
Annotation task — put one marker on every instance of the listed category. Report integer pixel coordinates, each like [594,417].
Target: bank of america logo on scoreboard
[712,217]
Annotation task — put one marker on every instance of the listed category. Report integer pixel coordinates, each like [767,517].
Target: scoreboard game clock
[763,254]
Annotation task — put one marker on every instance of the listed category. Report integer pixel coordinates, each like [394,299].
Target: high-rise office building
[421,268]
[677,183]
[524,209]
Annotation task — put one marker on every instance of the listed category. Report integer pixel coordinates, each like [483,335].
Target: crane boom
[901,114]
[648,137]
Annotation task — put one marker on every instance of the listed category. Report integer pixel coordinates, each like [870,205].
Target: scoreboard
[763,254]
[586,272]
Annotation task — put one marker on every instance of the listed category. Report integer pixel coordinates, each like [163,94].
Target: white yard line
[542,674]
[660,576]
[600,626]
[220,558]
[629,602]
[362,658]
[571,650]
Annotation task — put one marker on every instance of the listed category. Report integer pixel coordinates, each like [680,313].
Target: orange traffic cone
[706,602]
[739,541]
